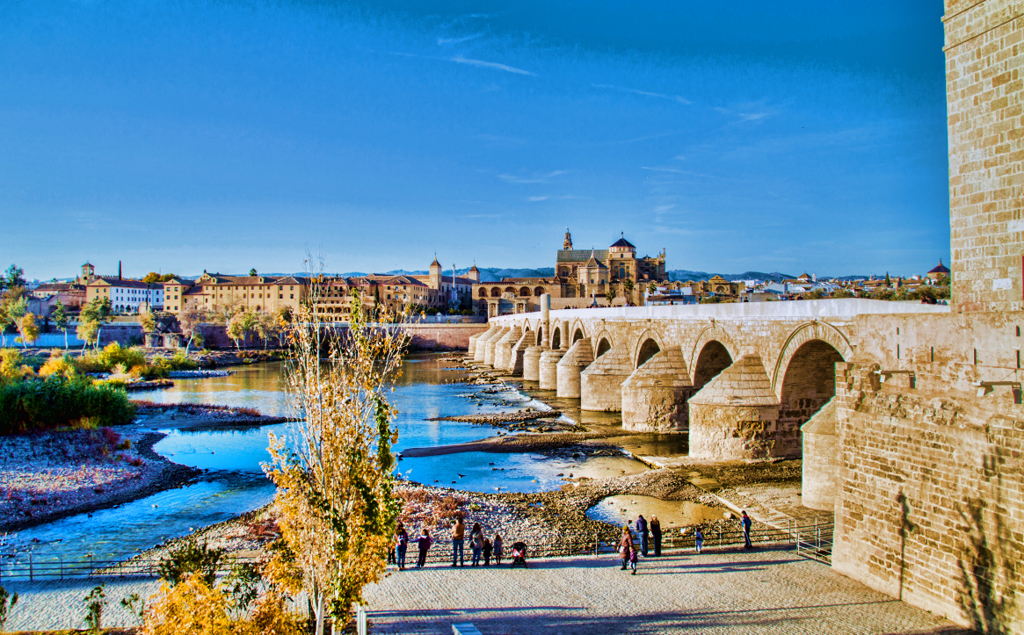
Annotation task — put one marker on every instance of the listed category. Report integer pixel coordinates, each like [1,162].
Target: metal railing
[811,540]
[35,568]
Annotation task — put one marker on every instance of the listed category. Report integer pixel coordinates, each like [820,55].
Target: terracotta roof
[122,283]
[581,255]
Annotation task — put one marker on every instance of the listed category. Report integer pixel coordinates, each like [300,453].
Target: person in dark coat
[746,522]
[626,546]
[641,530]
[656,533]
[487,552]
[401,545]
[423,542]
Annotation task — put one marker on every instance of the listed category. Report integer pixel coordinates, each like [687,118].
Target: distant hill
[684,275]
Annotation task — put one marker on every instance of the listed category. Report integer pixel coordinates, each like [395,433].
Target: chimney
[118,269]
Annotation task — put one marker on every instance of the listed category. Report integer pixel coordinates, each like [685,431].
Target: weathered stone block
[578,357]
[654,396]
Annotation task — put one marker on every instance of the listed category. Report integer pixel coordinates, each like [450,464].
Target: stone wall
[442,337]
[984,85]
[930,474]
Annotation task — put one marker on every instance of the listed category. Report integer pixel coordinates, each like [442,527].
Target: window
[280,296]
[292,296]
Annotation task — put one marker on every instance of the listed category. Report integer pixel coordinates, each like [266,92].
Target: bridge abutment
[480,349]
[491,345]
[503,347]
[819,459]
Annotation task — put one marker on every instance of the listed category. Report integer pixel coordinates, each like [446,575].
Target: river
[235,482]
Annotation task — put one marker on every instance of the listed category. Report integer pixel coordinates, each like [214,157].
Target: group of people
[482,548]
[631,555]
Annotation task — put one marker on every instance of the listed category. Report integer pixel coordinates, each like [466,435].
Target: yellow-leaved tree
[335,471]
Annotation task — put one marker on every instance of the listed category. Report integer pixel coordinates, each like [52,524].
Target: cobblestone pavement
[56,605]
[728,591]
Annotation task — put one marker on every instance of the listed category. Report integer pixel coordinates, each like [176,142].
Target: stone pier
[480,348]
[503,347]
[516,353]
[549,369]
[819,459]
[491,344]
[733,417]
[601,382]
[654,396]
[531,362]
[579,356]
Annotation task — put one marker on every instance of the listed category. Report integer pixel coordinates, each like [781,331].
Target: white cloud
[441,41]
[535,199]
[481,63]
[537,178]
[676,98]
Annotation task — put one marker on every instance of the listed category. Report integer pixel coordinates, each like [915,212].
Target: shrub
[58,364]
[58,401]
[190,558]
[13,366]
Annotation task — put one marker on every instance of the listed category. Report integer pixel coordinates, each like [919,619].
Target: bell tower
[435,274]
[567,245]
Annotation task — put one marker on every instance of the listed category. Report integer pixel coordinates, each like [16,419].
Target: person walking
[625,546]
[641,530]
[499,548]
[487,552]
[745,520]
[401,546]
[423,542]
[656,534]
[698,539]
[476,541]
[633,558]
[458,540]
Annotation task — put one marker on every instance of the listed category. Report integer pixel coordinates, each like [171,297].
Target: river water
[235,482]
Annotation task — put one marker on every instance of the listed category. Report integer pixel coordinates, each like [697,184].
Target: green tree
[652,287]
[146,320]
[61,320]
[188,322]
[91,319]
[252,272]
[14,277]
[610,296]
[335,480]
[14,308]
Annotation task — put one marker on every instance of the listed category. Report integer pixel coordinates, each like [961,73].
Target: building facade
[126,296]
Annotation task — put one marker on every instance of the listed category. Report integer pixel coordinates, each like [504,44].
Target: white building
[127,296]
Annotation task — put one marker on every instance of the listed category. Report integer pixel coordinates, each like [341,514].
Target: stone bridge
[741,378]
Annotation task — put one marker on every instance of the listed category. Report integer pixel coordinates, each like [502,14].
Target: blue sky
[188,135]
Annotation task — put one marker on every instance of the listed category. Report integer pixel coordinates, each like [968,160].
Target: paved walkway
[763,591]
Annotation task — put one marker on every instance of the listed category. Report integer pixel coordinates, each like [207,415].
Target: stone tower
[474,273]
[567,244]
[436,273]
[984,89]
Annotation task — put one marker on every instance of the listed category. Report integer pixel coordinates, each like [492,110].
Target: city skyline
[215,136]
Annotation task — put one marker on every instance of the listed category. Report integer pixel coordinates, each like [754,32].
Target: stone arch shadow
[713,351]
[602,343]
[578,331]
[649,344]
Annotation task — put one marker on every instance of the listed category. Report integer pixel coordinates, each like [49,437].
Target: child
[698,539]
[423,542]
[633,558]
[499,549]
[487,552]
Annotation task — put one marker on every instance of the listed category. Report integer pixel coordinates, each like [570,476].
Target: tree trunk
[65,338]
[320,614]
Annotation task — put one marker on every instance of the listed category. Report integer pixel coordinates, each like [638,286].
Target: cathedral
[583,277]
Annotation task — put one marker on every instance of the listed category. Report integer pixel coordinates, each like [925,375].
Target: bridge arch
[556,337]
[712,359]
[578,330]
[602,344]
[713,333]
[647,346]
[802,334]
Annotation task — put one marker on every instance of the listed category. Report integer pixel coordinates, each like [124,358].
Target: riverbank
[52,475]
[200,417]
